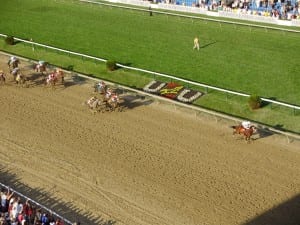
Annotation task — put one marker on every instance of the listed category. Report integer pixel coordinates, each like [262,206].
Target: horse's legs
[247,139]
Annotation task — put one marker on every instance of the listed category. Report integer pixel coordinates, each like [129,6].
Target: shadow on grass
[211,43]
[264,103]
[59,206]
[126,64]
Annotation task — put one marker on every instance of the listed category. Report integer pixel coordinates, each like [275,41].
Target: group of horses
[107,99]
[19,78]
[14,70]
[53,77]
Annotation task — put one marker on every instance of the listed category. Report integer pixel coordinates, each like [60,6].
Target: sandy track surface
[148,165]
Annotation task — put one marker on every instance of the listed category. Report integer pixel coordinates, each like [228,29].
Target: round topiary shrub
[254,102]
[111,65]
[10,40]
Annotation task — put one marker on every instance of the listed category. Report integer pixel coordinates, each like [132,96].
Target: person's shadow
[206,45]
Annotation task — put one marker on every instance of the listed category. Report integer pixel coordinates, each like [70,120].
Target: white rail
[36,203]
[295,107]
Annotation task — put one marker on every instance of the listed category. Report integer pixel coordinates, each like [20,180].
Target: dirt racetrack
[148,165]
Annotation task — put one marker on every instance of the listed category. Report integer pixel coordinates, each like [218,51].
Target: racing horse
[21,79]
[100,87]
[94,104]
[54,77]
[239,129]
[13,63]
[113,102]
[15,72]
[40,67]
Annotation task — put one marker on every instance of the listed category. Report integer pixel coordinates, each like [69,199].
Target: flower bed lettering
[173,91]
[154,86]
[188,95]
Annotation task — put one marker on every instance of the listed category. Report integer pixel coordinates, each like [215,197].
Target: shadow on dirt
[59,206]
[286,213]
[134,100]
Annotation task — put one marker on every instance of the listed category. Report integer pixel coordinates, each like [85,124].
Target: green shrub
[111,65]
[254,102]
[10,40]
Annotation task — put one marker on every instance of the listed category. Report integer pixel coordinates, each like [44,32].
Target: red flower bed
[171,90]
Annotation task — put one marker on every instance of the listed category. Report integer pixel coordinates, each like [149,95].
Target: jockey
[13,59]
[115,98]
[41,63]
[50,77]
[100,86]
[58,70]
[91,100]
[246,124]
[15,71]
[108,93]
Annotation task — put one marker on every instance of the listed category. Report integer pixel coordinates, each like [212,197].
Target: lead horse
[247,132]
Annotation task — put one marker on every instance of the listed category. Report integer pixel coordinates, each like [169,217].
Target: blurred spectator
[5,198]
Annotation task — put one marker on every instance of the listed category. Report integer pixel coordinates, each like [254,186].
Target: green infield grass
[244,59]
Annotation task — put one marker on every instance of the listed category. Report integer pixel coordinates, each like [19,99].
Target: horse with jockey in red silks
[53,78]
[108,94]
[113,101]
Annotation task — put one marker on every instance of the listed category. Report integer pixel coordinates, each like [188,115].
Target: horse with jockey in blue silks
[13,63]
[100,87]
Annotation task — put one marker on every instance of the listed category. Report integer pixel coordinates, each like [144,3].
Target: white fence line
[287,134]
[295,107]
[188,9]
[36,203]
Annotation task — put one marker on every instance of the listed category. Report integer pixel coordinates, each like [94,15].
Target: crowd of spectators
[280,9]
[17,211]
[275,9]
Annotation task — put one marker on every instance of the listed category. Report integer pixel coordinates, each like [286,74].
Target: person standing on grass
[150,10]
[196,44]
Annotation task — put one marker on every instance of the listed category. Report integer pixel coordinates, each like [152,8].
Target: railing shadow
[60,206]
